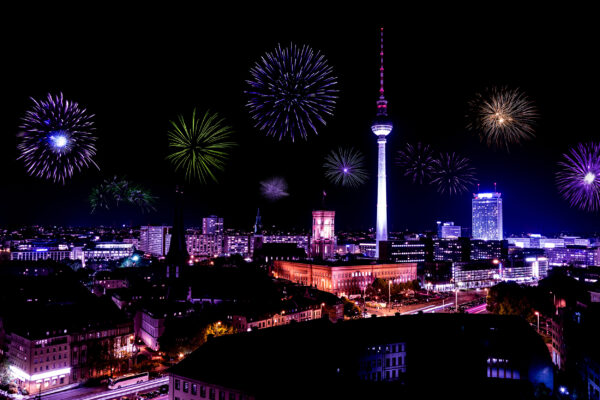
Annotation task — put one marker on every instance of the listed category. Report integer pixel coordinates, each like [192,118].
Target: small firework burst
[417,162]
[201,146]
[291,90]
[274,188]
[578,179]
[452,174]
[101,197]
[502,117]
[56,139]
[120,190]
[345,167]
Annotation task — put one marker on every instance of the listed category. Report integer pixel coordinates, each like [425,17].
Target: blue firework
[56,139]
[579,178]
[292,90]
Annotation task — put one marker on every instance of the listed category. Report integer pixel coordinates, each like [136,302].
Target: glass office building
[487,216]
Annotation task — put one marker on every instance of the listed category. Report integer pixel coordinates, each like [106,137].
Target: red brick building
[342,279]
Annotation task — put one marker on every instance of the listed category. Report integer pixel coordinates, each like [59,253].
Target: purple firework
[578,180]
[417,162]
[292,89]
[274,188]
[56,139]
[452,174]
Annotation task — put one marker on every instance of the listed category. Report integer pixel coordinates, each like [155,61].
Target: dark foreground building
[430,356]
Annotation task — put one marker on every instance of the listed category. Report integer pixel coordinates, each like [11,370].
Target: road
[433,306]
[102,393]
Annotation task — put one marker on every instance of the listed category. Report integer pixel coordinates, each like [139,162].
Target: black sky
[138,68]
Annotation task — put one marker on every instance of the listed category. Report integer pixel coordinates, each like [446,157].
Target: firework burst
[274,188]
[417,162]
[292,90]
[502,116]
[120,190]
[578,180]
[452,174]
[345,167]
[56,139]
[201,146]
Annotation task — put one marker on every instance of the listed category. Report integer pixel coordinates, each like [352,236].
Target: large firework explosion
[291,90]
[345,167]
[416,161]
[502,116]
[56,139]
[452,174]
[578,180]
[199,146]
[274,188]
[120,190]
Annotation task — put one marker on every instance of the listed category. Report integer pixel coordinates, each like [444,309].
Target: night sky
[137,69]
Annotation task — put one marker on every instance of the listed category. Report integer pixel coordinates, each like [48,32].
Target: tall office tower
[212,225]
[178,254]
[155,240]
[381,127]
[448,230]
[487,216]
[323,240]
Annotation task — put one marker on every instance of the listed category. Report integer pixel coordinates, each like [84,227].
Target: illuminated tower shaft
[381,127]
[382,233]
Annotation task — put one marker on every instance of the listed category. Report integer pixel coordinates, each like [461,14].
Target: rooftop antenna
[495,191]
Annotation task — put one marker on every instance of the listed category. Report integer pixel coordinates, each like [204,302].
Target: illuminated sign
[484,195]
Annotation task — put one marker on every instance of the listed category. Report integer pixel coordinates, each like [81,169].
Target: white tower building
[381,127]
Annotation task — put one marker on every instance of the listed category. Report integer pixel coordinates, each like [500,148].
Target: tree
[350,308]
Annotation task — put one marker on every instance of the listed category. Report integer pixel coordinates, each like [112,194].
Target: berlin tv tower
[381,127]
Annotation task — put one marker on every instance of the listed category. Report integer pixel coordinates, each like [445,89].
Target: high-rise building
[381,127]
[155,240]
[487,216]
[448,230]
[323,241]
[212,225]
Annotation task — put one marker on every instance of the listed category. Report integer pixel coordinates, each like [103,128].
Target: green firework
[200,146]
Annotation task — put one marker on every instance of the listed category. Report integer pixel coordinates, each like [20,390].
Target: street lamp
[537,313]
[390,293]
[456,300]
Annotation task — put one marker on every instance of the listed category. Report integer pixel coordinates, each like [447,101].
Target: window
[177,384]
[186,386]
[202,391]
[211,393]
[231,396]
[221,395]
[194,388]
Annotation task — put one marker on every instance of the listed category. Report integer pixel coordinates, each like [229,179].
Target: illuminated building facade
[107,251]
[476,274]
[523,269]
[448,230]
[402,251]
[383,362]
[237,244]
[489,249]
[323,241]
[41,251]
[201,245]
[342,279]
[452,250]
[487,216]
[155,240]
[212,225]
[40,363]
[573,255]
[243,323]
